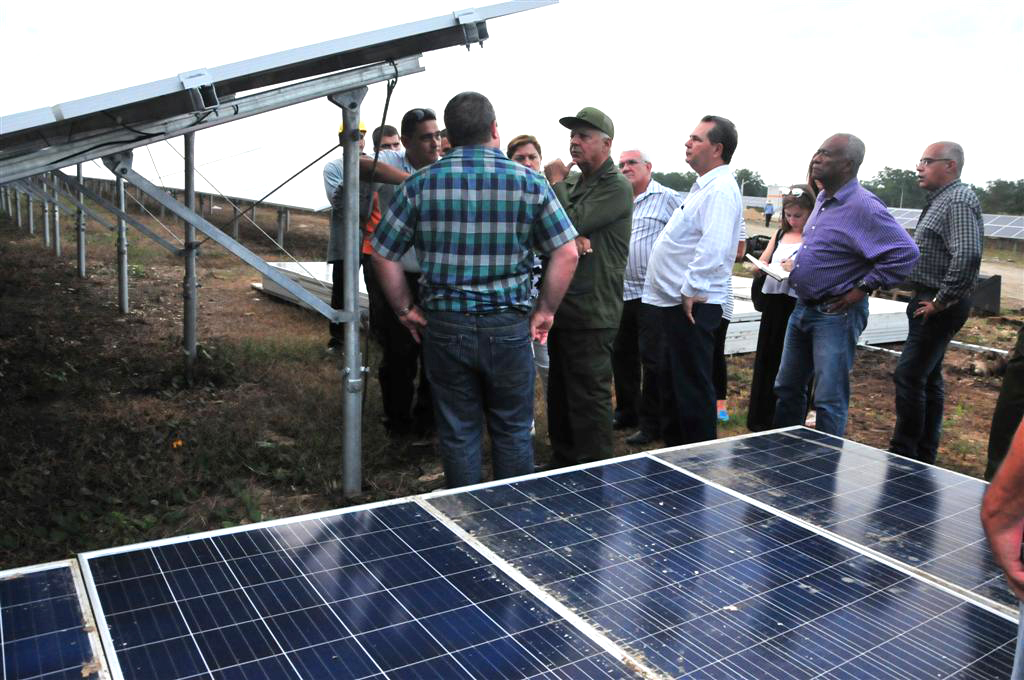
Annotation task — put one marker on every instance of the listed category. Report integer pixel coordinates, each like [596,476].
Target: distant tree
[751,182]
[1003,197]
[676,180]
[897,188]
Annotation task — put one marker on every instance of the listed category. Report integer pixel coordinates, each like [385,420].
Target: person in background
[386,137]
[525,150]
[1002,516]
[852,245]
[779,301]
[599,201]
[446,145]
[476,219]
[769,210]
[949,234]
[1009,408]
[636,358]
[688,277]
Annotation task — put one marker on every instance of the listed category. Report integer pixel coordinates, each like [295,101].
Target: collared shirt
[696,250]
[475,218]
[369,211]
[949,234]
[850,238]
[651,211]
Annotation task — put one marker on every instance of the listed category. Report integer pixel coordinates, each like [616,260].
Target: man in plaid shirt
[949,235]
[475,218]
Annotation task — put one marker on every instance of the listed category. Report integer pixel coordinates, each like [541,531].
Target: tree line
[897,189]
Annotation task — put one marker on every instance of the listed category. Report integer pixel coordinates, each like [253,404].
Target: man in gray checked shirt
[949,235]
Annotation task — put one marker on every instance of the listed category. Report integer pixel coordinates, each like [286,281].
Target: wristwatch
[404,311]
[868,290]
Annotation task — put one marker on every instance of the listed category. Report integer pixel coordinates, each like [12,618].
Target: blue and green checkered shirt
[475,218]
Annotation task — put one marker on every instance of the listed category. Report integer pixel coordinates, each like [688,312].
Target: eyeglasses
[928,161]
[792,191]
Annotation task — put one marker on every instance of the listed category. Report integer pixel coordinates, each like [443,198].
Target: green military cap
[590,117]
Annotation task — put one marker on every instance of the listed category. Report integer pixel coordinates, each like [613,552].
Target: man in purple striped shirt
[852,246]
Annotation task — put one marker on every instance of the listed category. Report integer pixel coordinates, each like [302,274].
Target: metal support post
[353,373]
[57,249]
[235,216]
[282,225]
[122,250]
[46,222]
[17,206]
[31,215]
[81,228]
[188,288]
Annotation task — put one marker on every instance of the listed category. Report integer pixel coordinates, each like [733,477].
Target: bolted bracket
[355,385]
[119,163]
[468,19]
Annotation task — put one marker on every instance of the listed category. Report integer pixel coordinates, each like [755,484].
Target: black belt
[925,291]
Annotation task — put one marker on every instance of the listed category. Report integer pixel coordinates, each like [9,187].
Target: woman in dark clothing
[797,203]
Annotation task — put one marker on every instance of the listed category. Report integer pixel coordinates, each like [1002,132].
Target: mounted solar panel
[46,138]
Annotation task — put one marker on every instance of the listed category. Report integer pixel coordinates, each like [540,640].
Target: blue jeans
[920,391]
[824,344]
[481,367]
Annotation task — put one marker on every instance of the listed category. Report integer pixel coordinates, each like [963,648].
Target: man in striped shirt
[852,246]
[476,219]
[636,355]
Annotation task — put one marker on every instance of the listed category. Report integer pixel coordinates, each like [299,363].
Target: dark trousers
[636,365]
[1009,409]
[768,219]
[770,337]
[920,391]
[688,351]
[720,368]
[400,361]
[580,394]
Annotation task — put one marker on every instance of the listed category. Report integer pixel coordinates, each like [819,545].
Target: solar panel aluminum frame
[99,664]
[198,90]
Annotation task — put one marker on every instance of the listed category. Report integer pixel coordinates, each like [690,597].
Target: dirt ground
[104,443]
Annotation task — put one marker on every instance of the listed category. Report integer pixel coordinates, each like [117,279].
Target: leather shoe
[623,423]
[639,438]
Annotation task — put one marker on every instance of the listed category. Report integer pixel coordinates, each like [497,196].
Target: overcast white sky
[899,74]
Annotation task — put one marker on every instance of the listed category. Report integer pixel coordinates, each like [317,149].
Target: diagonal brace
[120,164]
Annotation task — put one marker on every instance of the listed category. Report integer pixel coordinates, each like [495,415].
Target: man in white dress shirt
[636,354]
[688,277]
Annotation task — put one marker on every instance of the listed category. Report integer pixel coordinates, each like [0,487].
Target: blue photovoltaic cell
[43,630]
[385,592]
[699,584]
[918,514]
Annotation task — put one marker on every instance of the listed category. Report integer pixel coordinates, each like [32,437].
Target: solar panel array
[780,555]
[43,630]
[996,226]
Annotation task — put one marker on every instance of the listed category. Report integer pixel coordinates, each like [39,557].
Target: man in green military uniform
[599,201]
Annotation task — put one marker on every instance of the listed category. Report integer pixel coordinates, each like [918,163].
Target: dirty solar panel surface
[387,592]
[921,515]
[699,584]
[43,629]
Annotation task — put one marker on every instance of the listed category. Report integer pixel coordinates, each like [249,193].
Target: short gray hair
[854,150]
[955,153]
[643,154]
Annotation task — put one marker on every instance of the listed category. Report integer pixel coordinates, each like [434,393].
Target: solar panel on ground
[370,593]
[45,627]
[844,562]
[701,584]
[921,515]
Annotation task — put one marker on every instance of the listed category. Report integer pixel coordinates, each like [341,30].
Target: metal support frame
[57,246]
[31,216]
[120,165]
[80,224]
[188,286]
[122,250]
[17,207]
[354,371]
[46,221]
[117,140]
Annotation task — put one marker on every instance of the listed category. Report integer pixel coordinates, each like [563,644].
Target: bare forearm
[1002,514]
[392,282]
[385,173]
[558,276]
